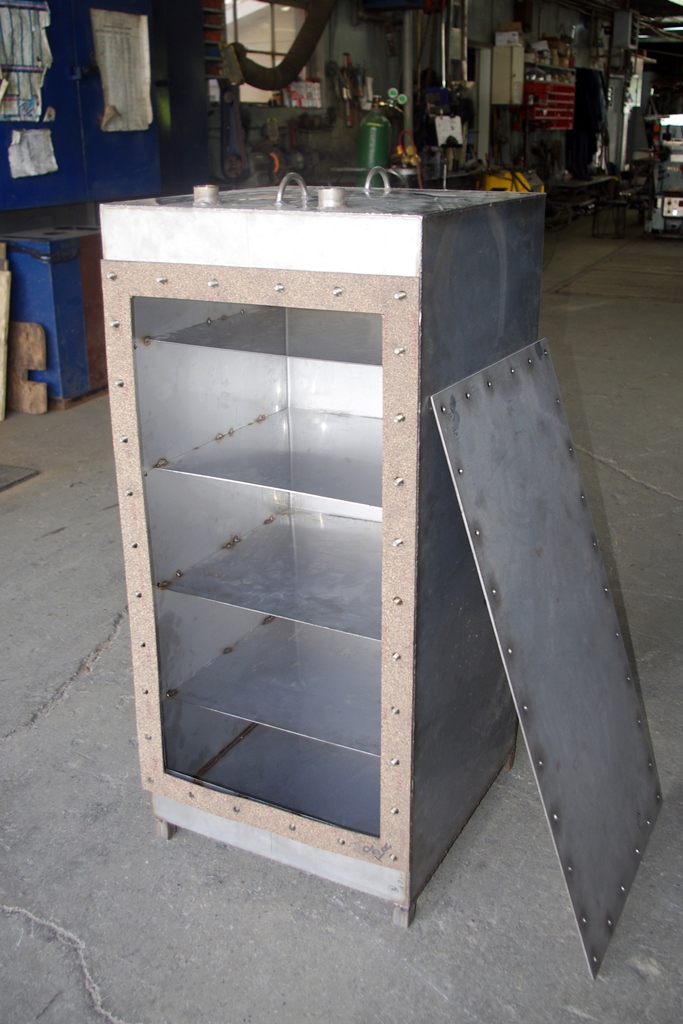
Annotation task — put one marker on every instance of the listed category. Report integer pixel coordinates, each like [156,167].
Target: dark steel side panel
[481,297]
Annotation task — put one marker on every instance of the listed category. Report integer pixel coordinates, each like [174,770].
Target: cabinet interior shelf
[296,678]
[305,566]
[299,450]
[318,780]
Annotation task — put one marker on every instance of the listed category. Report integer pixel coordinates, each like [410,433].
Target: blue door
[93,165]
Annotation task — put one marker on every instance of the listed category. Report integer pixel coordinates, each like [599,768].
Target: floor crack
[75,944]
[47,1007]
[624,472]
[86,665]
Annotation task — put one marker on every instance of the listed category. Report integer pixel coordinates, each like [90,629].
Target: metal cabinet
[507,75]
[318,673]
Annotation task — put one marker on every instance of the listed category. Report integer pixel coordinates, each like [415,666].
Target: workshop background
[583,101]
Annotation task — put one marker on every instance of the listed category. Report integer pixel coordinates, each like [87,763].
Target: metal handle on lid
[383,173]
[292,179]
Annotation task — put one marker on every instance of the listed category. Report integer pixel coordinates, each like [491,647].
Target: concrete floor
[101,920]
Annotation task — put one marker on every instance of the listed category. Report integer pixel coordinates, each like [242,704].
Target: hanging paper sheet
[31,153]
[122,52]
[25,56]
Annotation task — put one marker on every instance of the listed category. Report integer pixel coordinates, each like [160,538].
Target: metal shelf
[549,67]
[299,679]
[306,333]
[307,452]
[319,780]
[309,567]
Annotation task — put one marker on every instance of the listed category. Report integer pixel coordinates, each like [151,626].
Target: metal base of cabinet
[373,879]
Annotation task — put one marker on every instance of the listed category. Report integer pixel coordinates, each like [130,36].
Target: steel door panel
[520,492]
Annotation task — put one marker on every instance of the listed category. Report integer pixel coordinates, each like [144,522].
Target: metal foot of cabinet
[164,829]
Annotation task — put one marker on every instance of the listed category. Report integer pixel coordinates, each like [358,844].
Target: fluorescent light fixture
[671,120]
[679,3]
[674,28]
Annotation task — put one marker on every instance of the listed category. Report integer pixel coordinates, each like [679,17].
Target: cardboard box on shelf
[562,46]
[509,39]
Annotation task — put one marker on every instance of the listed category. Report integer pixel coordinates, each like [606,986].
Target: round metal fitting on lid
[333,198]
[205,195]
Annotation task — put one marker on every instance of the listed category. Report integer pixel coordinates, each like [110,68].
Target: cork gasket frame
[396,299]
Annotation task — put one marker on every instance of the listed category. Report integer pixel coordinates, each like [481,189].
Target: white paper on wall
[25,56]
[122,53]
[448,127]
[30,153]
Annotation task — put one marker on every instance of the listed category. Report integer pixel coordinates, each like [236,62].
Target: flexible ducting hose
[302,48]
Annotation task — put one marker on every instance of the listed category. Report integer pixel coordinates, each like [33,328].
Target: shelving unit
[213,12]
[245,417]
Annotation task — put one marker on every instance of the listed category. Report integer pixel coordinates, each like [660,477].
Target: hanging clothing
[590,114]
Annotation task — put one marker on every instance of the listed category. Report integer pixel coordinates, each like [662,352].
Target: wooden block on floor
[26,352]
[5,281]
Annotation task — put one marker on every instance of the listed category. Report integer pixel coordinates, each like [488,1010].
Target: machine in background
[665,212]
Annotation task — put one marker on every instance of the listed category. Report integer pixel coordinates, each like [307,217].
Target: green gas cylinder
[374,144]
